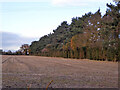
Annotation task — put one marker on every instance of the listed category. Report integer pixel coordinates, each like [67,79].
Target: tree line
[91,36]
[24,50]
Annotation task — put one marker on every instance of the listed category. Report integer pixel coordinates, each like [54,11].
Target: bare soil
[37,72]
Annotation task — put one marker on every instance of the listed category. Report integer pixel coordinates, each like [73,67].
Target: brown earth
[37,72]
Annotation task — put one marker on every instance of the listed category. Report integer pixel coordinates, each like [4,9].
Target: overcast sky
[23,22]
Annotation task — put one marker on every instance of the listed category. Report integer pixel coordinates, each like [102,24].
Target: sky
[24,21]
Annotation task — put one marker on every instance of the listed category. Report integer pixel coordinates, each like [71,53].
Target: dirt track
[37,72]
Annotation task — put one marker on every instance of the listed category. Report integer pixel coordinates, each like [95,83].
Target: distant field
[37,72]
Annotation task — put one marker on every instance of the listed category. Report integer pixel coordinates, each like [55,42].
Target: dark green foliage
[91,36]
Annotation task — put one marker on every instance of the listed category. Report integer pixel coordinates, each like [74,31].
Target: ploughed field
[37,72]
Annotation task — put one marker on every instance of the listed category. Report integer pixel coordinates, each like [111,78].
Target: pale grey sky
[32,20]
